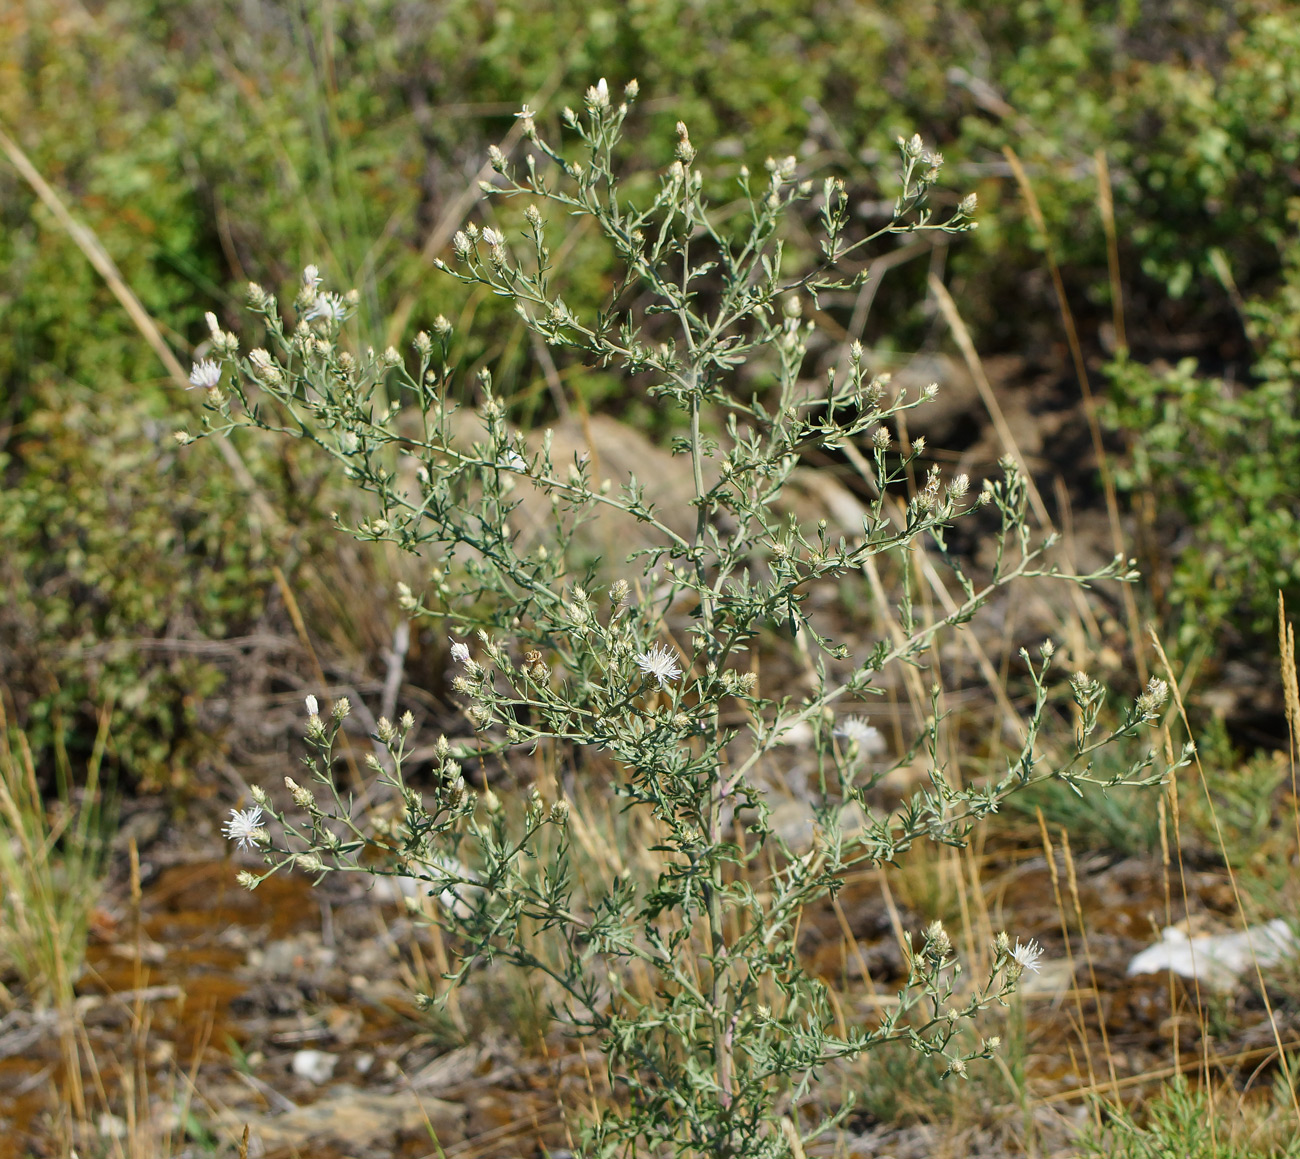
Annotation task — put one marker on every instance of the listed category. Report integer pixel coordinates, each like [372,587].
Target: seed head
[302,797]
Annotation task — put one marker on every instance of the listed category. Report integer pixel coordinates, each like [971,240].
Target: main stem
[719,986]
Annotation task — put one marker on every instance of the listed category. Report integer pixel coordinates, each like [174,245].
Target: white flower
[525,114]
[512,461]
[597,97]
[311,277]
[459,651]
[313,708]
[660,663]
[206,373]
[243,827]
[331,307]
[1026,957]
[866,737]
[493,237]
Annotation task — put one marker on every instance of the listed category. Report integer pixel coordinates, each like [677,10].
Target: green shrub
[1220,463]
[113,544]
[690,983]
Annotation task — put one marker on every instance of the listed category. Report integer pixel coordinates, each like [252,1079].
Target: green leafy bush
[113,544]
[1219,462]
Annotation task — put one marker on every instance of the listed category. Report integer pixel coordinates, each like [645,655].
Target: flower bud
[302,797]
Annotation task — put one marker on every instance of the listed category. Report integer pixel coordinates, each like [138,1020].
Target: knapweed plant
[647,658]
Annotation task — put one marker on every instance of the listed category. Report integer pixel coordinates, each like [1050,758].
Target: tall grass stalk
[51,866]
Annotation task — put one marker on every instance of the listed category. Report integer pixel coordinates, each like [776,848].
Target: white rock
[1218,960]
[112,1126]
[314,1065]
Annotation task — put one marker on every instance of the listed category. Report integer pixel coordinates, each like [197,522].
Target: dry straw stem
[1106,207]
[47,891]
[948,308]
[1220,1062]
[1283,1061]
[1049,853]
[1073,881]
[1089,402]
[98,256]
[951,315]
[1291,693]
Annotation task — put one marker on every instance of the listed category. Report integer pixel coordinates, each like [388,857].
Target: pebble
[314,1065]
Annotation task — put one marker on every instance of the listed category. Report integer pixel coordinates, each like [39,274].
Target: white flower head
[1026,957]
[313,706]
[206,374]
[331,307]
[866,737]
[493,237]
[243,826]
[512,461]
[526,113]
[660,663]
[597,97]
[311,278]
[459,651]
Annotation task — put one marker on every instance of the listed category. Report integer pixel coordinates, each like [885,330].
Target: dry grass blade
[1283,1061]
[1106,207]
[1049,852]
[1291,692]
[948,308]
[1089,402]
